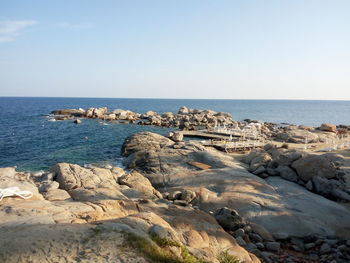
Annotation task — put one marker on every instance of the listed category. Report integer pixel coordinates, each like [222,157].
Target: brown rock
[328,127]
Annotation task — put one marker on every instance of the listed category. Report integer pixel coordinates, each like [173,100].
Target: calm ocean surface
[32,143]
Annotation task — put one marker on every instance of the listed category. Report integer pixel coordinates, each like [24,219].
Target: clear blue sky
[266,49]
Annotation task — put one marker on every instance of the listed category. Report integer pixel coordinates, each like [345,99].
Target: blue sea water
[32,143]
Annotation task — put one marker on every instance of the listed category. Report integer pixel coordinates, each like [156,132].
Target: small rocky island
[248,192]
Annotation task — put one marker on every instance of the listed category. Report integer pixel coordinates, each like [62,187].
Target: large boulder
[87,184]
[183,110]
[144,141]
[137,181]
[71,112]
[96,112]
[297,136]
[314,165]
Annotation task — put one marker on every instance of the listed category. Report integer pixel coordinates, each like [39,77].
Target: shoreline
[261,204]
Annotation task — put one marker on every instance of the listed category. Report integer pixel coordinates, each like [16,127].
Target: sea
[32,143]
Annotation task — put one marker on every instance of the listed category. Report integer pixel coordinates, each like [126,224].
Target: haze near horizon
[176,49]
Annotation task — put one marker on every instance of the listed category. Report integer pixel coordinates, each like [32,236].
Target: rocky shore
[194,119]
[181,201]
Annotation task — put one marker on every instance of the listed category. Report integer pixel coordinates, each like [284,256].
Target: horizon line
[148,98]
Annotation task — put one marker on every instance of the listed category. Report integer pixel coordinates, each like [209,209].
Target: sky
[234,49]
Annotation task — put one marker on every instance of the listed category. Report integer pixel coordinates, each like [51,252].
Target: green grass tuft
[225,257]
[158,252]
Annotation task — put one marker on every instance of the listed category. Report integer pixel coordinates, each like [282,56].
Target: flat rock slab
[280,206]
[200,165]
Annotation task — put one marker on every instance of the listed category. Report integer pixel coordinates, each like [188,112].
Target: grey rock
[340,194]
[272,171]
[309,186]
[314,165]
[322,185]
[229,219]
[240,241]
[239,232]
[261,160]
[343,248]
[296,248]
[319,242]
[348,243]
[298,242]
[309,246]
[188,195]
[273,246]
[255,237]
[260,245]
[280,236]
[313,256]
[251,247]
[325,248]
[287,158]
[261,169]
[287,173]
[331,242]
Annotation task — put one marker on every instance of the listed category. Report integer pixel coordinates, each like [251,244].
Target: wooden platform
[212,135]
[234,146]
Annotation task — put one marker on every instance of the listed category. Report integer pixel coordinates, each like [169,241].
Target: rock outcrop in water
[186,118]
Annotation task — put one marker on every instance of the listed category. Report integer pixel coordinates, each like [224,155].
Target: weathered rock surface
[316,172]
[314,165]
[279,206]
[304,136]
[101,229]
[87,184]
[137,181]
